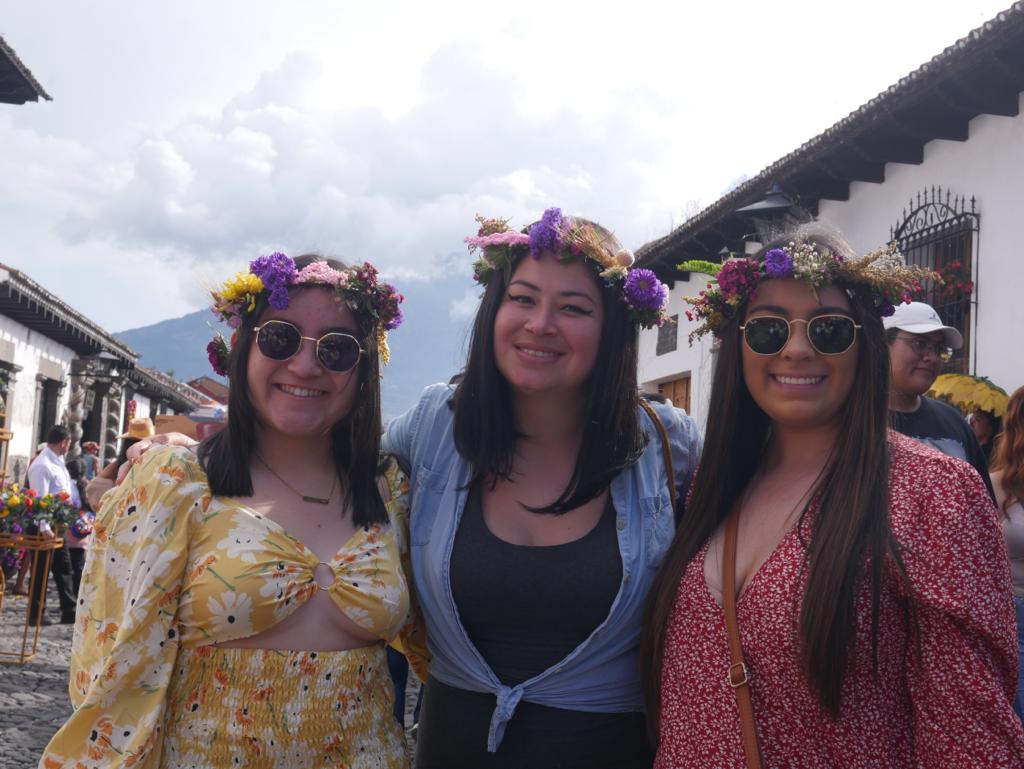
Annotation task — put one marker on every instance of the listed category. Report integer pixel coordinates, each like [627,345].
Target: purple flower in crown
[778,263]
[643,290]
[391,313]
[545,233]
[277,272]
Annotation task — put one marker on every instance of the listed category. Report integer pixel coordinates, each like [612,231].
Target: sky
[186,138]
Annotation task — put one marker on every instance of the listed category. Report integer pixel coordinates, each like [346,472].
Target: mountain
[429,346]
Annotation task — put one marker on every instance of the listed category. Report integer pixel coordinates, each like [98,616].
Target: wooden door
[677,391]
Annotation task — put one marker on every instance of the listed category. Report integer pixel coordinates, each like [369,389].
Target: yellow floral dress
[173,570]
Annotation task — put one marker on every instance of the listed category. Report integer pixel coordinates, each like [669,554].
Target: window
[940,233]
[668,335]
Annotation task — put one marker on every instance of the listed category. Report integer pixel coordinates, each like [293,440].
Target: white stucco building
[58,367]
[935,162]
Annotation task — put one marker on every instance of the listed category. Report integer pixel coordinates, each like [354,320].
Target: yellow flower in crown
[242,288]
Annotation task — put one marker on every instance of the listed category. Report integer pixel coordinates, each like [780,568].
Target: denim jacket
[601,674]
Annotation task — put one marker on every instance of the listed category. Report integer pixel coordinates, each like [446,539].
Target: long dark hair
[355,441]
[851,526]
[1009,452]
[485,432]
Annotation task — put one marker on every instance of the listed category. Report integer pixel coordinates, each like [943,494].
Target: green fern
[701,266]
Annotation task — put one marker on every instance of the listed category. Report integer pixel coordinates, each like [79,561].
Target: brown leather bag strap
[666,453]
[737,675]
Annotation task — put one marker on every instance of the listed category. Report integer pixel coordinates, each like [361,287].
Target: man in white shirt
[48,475]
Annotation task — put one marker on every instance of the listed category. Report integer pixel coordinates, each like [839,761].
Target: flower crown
[736,280]
[268,280]
[643,293]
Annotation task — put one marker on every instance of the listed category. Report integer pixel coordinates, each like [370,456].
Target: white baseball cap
[921,318]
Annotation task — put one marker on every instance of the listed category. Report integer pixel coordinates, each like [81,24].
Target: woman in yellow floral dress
[236,602]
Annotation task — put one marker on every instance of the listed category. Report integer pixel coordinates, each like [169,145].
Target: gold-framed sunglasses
[828,334]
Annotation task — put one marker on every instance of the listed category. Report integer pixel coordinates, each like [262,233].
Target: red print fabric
[942,694]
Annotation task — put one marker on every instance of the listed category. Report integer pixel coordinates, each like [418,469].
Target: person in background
[837,595]
[76,536]
[90,459]
[542,491]
[919,343]
[986,426]
[48,475]
[139,428]
[1008,480]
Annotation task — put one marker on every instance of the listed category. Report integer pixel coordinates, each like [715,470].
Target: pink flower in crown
[322,273]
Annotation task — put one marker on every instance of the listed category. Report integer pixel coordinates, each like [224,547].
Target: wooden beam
[886,148]
[850,169]
[1008,61]
[976,98]
[921,125]
[816,185]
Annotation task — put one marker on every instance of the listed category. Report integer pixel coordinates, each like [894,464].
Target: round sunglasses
[280,340]
[828,334]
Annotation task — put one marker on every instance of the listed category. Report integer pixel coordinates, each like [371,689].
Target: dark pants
[398,666]
[77,556]
[63,569]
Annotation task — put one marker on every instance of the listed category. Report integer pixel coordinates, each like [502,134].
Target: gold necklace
[305,497]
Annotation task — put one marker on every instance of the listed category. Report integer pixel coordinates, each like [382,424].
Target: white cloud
[173,152]
[267,172]
[464,308]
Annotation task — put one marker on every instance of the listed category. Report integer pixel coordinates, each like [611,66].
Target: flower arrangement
[953,284]
[569,238]
[21,508]
[269,279]
[736,280]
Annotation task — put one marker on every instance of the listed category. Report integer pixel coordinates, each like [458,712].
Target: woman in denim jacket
[541,507]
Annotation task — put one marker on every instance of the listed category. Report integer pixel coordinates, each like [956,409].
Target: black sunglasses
[828,334]
[280,340]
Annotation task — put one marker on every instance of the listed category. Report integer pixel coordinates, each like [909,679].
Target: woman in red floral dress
[872,585]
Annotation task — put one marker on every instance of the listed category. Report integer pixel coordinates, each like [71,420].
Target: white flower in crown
[613,273]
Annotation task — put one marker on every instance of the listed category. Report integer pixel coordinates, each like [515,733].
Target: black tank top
[526,608]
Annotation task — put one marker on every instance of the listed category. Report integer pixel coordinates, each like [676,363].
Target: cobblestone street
[34,696]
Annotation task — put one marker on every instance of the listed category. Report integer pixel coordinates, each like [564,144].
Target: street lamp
[772,215]
[103,365]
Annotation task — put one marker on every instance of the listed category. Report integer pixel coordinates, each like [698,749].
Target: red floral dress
[942,696]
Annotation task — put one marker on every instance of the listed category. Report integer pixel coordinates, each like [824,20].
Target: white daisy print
[230,614]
